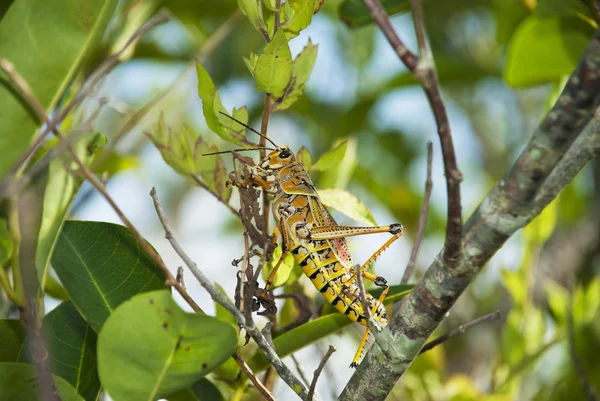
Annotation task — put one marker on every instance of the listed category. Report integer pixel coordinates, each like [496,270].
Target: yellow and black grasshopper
[316,241]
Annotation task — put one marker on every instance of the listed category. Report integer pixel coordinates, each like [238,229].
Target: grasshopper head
[280,157]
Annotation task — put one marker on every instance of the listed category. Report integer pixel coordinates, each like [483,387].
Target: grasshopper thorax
[277,159]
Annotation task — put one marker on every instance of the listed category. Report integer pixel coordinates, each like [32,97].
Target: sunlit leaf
[46,42]
[150,347]
[250,8]
[542,50]
[331,158]
[301,69]
[285,269]
[542,227]
[274,66]
[251,63]
[113,162]
[348,204]
[303,12]
[304,157]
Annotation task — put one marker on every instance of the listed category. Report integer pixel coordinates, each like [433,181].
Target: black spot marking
[168,312]
[336,300]
[325,288]
[204,366]
[314,275]
[165,325]
[187,348]
[151,301]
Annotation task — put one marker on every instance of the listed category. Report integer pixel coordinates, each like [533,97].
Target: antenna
[235,150]
[250,128]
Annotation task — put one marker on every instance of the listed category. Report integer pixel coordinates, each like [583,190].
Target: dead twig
[317,373]
[423,69]
[422,219]
[257,383]
[459,330]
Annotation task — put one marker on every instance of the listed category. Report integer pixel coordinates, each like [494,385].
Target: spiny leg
[378,280]
[365,337]
[332,232]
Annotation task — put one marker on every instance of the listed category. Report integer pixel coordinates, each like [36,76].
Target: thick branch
[564,142]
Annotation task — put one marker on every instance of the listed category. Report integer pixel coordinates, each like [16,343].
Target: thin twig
[423,69]
[459,330]
[422,219]
[101,71]
[284,372]
[330,351]
[262,153]
[35,104]
[587,387]
[257,383]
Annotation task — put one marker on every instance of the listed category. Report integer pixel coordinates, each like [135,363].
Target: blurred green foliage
[360,126]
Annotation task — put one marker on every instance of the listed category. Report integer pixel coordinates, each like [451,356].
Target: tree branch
[564,142]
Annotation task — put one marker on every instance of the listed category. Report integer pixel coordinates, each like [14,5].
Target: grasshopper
[316,241]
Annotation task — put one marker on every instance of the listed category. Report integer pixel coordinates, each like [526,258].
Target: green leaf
[12,333]
[46,42]
[6,247]
[285,269]
[331,158]
[55,289]
[183,150]
[112,163]
[304,157]
[298,338]
[250,8]
[303,12]
[301,69]
[543,50]
[274,66]
[348,204]
[71,344]
[202,390]
[20,382]
[355,14]
[211,106]
[542,227]
[251,63]
[206,91]
[101,266]
[149,347]
[59,192]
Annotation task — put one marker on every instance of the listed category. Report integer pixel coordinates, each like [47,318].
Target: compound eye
[285,153]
